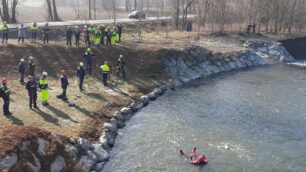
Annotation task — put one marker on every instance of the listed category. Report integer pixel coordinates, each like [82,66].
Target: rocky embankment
[48,152]
[198,62]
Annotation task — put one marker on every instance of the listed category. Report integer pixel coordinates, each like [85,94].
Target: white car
[137,15]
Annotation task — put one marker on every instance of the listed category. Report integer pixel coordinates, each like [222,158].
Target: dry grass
[59,117]
[95,105]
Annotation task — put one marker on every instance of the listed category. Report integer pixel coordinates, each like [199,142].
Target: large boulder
[71,151]
[102,154]
[85,144]
[120,119]
[33,164]
[125,111]
[41,146]
[145,100]
[152,95]
[25,144]
[58,165]
[8,162]
[163,88]
[118,116]
[111,127]
[157,91]
[135,106]
[113,121]
[86,163]
[99,167]
[107,139]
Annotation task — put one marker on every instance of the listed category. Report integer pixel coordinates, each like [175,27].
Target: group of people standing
[101,35]
[33,85]
[91,35]
[22,32]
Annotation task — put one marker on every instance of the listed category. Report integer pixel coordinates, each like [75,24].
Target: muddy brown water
[251,121]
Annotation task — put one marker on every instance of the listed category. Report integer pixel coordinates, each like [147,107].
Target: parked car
[137,15]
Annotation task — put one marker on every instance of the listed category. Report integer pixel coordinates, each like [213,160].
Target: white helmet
[121,56]
[44,74]
[81,64]
[31,58]
[22,60]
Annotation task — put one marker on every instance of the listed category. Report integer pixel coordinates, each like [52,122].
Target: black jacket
[120,63]
[5,92]
[22,68]
[81,73]
[88,56]
[69,33]
[31,86]
[77,33]
[119,28]
[31,67]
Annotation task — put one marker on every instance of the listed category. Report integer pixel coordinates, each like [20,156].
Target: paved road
[83,22]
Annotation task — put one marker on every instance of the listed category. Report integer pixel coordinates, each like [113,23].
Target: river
[251,120]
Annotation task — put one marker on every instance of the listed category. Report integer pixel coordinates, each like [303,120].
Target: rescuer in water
[193,159]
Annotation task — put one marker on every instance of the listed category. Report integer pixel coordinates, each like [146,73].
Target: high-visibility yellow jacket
[43,84]
[4,28]
[34,28]
[105,68]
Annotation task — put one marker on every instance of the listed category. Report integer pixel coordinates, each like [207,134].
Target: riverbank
[148,66]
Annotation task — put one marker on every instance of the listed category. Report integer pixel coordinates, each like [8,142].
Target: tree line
[216,15]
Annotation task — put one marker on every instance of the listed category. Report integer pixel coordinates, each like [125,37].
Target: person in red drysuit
[201,160]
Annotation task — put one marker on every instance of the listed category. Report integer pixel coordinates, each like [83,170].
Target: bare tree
[292,14]
[114,10]
[8,10]
[203,9]
[89,9]
[55,14]
[127,5]
[135,5]
[52,10]
[186,5]
[95,10]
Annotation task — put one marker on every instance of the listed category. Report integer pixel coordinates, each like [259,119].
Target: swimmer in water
[201,160]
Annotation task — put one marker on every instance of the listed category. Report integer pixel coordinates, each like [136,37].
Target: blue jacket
[88,56]
[64,81]
[81,73]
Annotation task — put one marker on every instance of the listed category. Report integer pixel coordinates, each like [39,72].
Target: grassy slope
[144,71]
